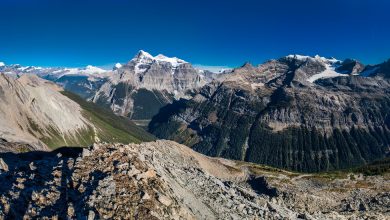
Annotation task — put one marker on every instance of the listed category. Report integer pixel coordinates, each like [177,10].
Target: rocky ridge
[379,70]
[165,180]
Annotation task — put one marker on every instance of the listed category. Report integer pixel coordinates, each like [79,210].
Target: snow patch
[329,72]
[331,60]
[2,64]
[118,65]
[93,69]
[23,68]
[140,68]
[213,69]
[173,60]
[298,57]
[88,70]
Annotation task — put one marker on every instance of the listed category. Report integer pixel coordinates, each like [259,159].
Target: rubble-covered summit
[166,180]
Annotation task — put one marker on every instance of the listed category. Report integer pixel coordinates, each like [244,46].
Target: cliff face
[165,180]
[146,83]
[297,112]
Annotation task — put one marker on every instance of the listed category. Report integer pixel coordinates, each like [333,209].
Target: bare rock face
[146,83]
[350,66]
[33,109]
[297,112]
[165,180]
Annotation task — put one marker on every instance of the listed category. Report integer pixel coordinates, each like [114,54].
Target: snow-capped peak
[143,55]
[298,57]
[173,60]
[146,58]
[93,69]
[2,64]
[118,65]
[331,60]
[88,70]
[316,57]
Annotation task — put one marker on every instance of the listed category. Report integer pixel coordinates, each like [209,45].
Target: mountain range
[296,112]
[297,137]
[146,83]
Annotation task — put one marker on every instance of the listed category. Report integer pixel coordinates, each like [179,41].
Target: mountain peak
[143,54]
[2,64]
[146,58]
[316,57]
[247,65]
[298,57]
[117,66]
[93,70]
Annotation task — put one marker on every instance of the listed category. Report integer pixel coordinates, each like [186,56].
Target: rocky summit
[141,87]
[166,180]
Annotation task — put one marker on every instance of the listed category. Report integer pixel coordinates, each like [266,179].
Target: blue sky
[204,32]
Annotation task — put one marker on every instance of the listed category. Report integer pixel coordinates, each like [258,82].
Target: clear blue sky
[215,33]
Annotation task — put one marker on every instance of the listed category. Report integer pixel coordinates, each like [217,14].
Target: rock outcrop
[165,180]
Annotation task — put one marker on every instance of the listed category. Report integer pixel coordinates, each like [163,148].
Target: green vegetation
[223,129]
[307,150]
[147,103]
[377,167]
[55,139]
[109,128]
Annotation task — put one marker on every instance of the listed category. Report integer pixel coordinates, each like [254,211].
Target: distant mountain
[146,83]
[52,73]
[319,109]
[82,81]
[36,112]
[380,70]
[137,89]
[298,112]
